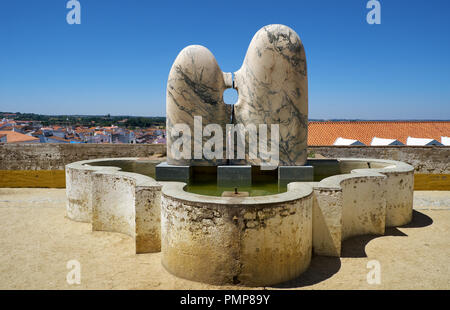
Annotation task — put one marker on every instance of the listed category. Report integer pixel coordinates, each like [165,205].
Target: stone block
[234,176]
[166,172]
[287,174]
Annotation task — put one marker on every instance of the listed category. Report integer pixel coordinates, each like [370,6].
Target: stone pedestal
[287,174]
[234,176]
[166,172]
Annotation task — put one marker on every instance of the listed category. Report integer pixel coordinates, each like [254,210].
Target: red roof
[17,137]
[325,133]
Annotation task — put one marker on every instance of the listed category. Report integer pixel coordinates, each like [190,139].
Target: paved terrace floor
[37,241]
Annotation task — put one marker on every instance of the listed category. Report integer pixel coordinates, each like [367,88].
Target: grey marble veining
[273,89]
[272,85]
[195,88]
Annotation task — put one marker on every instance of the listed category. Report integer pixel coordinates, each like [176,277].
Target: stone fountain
[253,240]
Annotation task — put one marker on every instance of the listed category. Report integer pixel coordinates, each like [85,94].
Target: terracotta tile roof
[325,133]
[16,137]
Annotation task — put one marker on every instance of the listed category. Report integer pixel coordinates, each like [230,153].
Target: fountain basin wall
[116,201]
[251,241]
[363,201]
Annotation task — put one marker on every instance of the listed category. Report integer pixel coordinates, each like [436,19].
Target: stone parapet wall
[54,156]
[49,156]
[424,159]
[42,165]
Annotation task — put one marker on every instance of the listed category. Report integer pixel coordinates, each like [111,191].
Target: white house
[422,141]
[445,140]
[382,141]
[342,141]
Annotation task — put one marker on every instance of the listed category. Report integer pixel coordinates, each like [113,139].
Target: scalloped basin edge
[253,241]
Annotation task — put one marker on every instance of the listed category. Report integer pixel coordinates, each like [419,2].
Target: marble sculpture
[272,86]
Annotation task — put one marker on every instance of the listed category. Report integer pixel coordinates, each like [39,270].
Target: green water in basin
[256,189]
[204,179]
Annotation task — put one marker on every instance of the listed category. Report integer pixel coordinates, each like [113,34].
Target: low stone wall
[424,159]
[48,156]
[54,156]
[42,165]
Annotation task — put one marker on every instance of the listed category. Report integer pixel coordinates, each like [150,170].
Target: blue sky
[118,60]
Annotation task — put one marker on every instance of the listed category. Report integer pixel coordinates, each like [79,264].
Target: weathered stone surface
[288,174]
[244,240]
[273,89]
[49,156]
[116,201]
[234,175]
[327,221]
[399,198]
[195,88]
[360,201]
[364,205]
[228,240]
[113,209]
[166,172]
[424,159]
[79,195]
[148,218]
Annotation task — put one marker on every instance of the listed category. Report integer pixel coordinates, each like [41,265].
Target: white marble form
[273,89]
[195,88]
[272,85]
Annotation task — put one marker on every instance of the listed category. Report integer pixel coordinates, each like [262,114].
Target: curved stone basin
[251,241]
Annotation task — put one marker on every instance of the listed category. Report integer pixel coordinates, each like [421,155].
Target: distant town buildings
[369,133]
[12,131]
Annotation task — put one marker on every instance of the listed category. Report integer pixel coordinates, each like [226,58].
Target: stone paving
[37,241]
